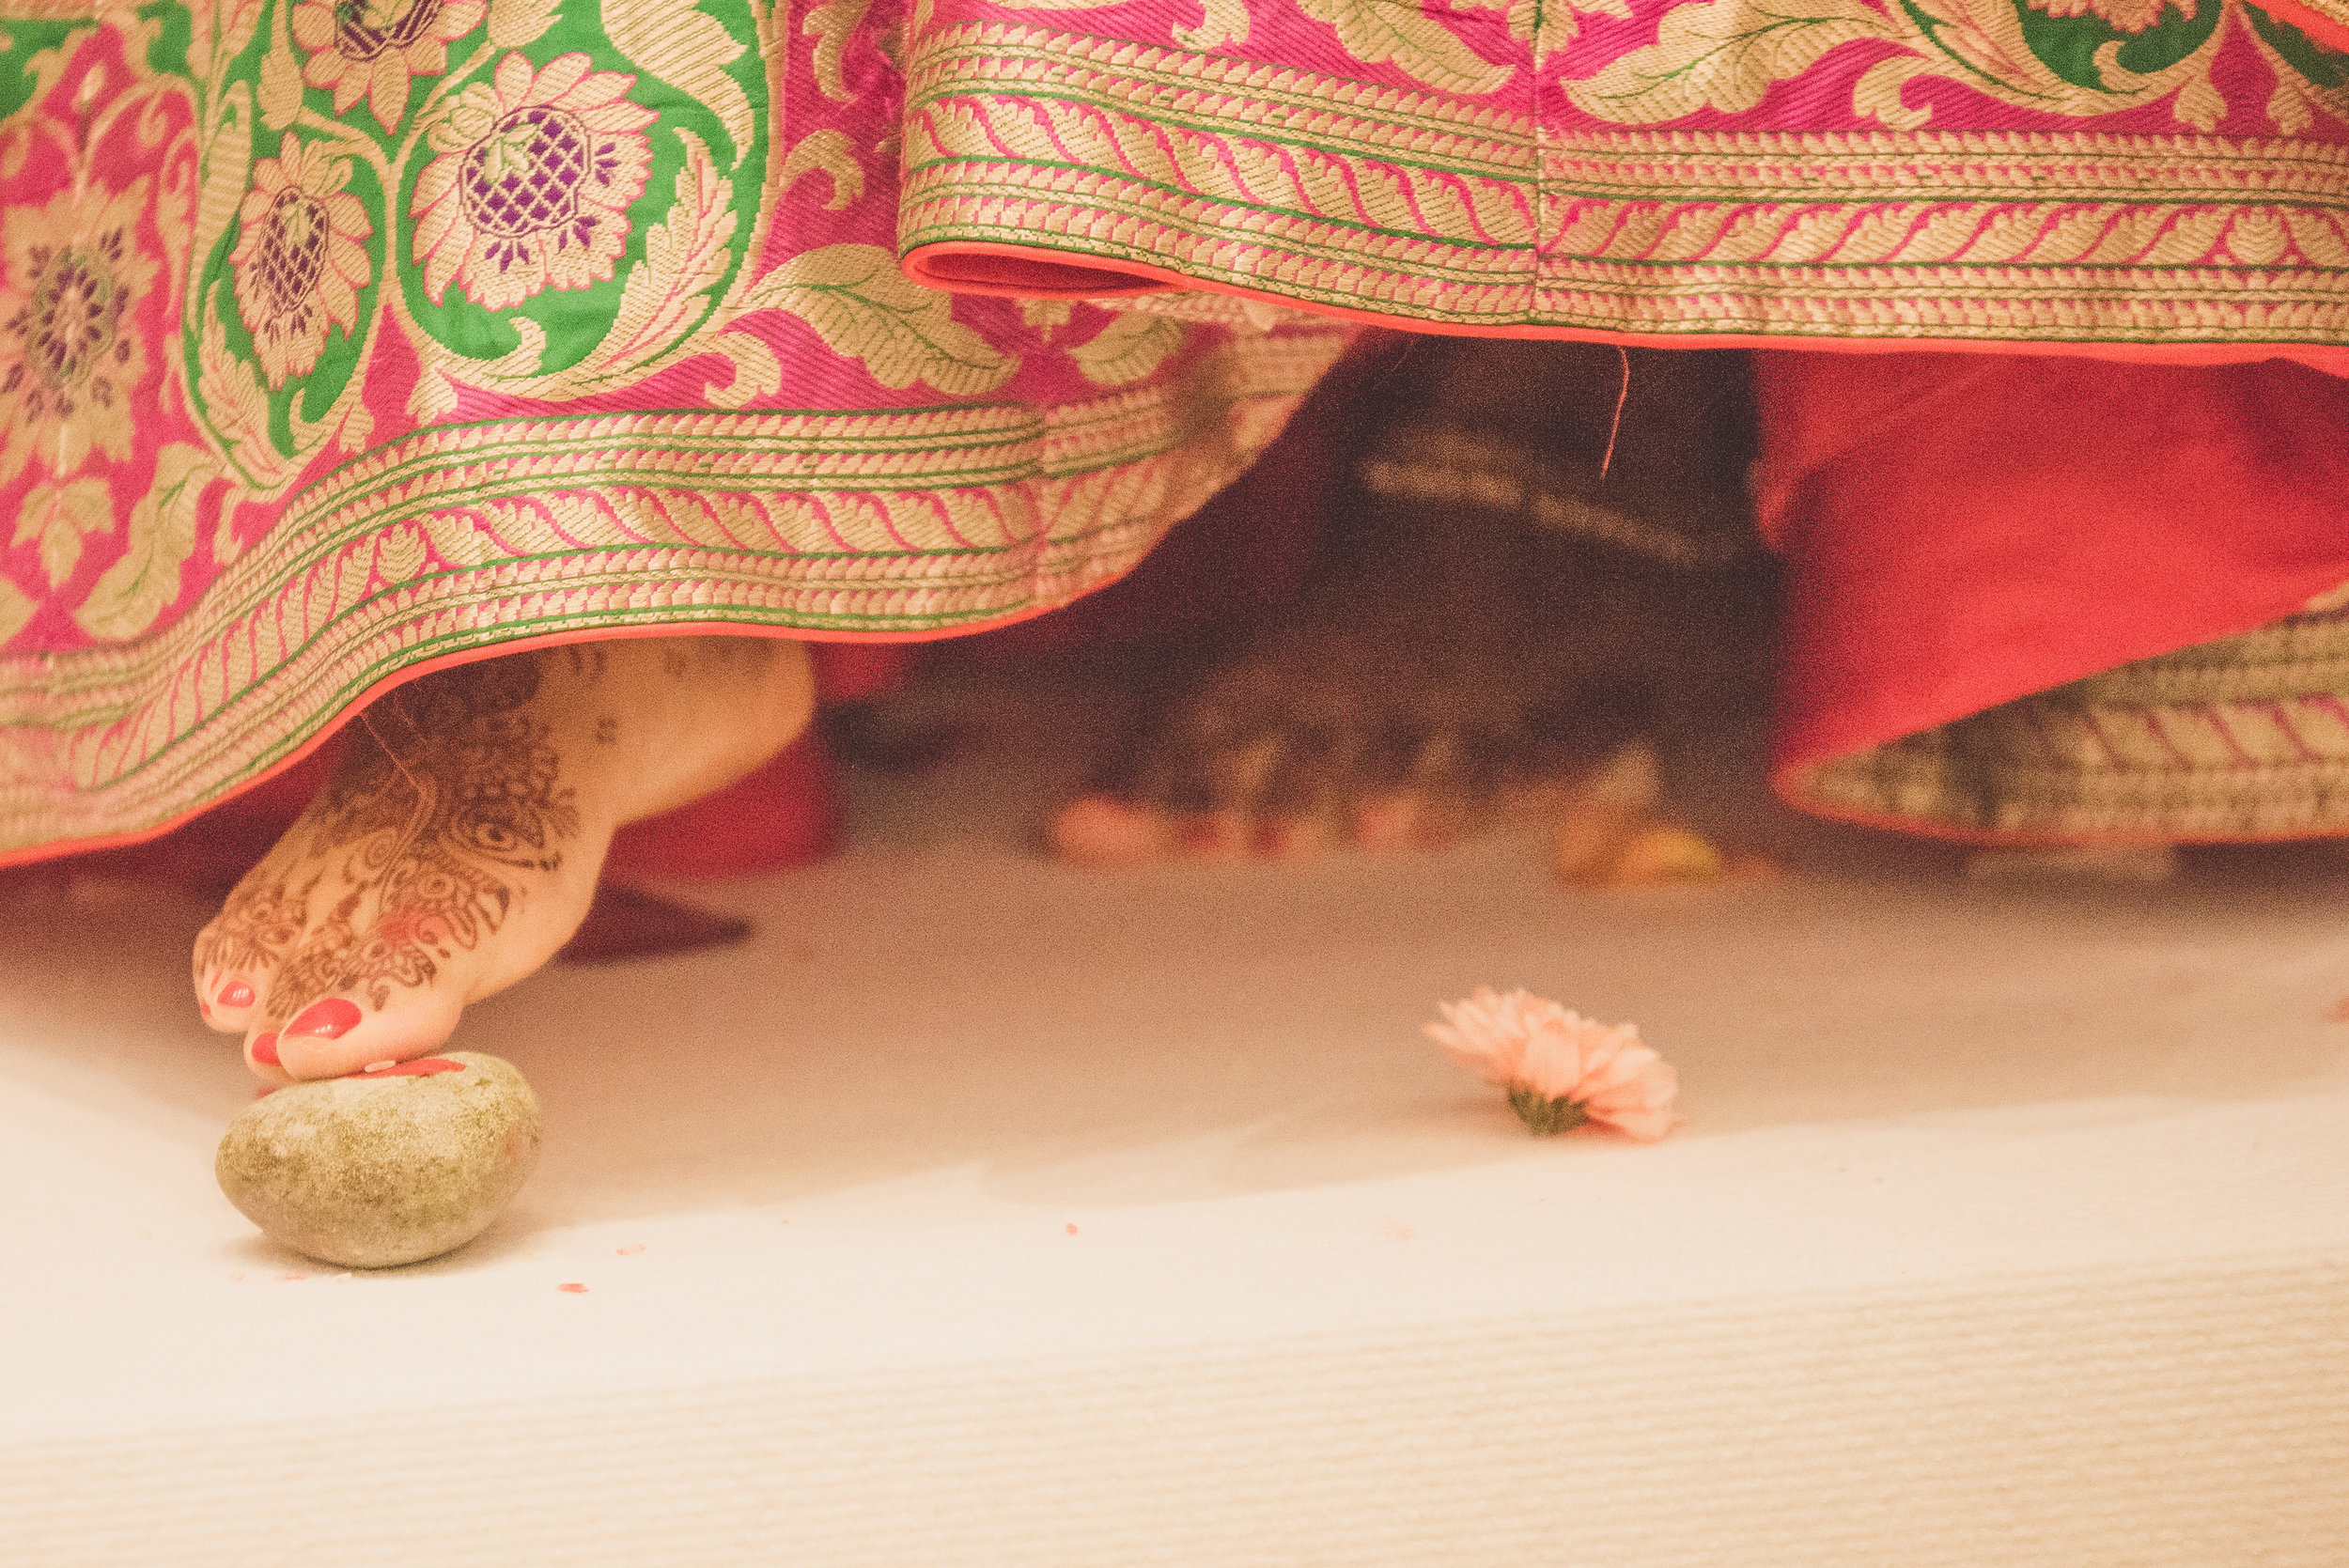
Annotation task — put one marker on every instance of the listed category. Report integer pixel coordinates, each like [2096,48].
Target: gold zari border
[1452,213]
[2243,739]
[455,541]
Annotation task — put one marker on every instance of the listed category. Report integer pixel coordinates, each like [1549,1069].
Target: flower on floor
[1560,1068]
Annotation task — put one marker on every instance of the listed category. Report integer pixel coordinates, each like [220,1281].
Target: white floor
[980,1211]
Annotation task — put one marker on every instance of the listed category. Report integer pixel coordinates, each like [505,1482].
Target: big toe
[334,1036]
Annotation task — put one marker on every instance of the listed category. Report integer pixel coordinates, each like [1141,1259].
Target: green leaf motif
[685,256]
[861,305]
[1133,344]
[227,165]
[130,594]
[1721,55]
[280,87]
[1379,31]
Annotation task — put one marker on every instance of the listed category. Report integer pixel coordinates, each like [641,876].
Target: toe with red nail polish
[235,994]
[265,1051]
[329,1019]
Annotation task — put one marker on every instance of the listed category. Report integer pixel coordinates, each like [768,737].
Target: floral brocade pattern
[534,183]
[338,336]
[299,262]
[2131,173]
[2241,738]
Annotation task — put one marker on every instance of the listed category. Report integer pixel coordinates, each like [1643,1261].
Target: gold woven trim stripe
[2245,737]
[2334,11]
[1442,209]
[460,539]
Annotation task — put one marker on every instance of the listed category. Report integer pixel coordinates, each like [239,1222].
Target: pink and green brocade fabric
[2143,177]
[340,339]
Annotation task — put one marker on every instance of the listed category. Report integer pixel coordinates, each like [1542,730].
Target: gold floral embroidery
[2128,16]
[68,361]
[533,183]
[298,261]
[372,49]
[58,518]
[16,610]
[1727,54]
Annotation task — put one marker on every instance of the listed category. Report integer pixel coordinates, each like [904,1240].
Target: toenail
[329,1019]
[265,1051]
[235,994]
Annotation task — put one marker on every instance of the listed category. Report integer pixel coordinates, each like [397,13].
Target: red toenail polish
[329,1019]
[265,1051]
[422,1066]
[235,994]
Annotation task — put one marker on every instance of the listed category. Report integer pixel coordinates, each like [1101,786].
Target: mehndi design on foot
[458,845]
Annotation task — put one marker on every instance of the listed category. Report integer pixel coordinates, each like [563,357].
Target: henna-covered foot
[1516,587]
[457,846]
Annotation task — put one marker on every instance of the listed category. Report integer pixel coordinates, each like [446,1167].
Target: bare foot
[1515,588]
[457,846]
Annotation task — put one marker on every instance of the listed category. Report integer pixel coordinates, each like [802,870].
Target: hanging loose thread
[1623,395]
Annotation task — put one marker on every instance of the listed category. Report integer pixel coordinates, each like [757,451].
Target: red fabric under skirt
[1967,532]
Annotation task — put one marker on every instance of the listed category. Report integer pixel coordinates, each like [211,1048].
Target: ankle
[677,718]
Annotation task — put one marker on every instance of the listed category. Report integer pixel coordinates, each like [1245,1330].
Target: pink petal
[562,72]
[314,27]
[513,80]
[346,214]
[1551,1066]
[596,91]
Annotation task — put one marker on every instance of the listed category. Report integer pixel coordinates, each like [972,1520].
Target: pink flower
[70,272]
[532,188]
[370,49]
[299,263]
[1560,1069]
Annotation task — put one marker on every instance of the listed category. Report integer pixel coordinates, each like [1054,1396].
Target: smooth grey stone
[376,1169]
